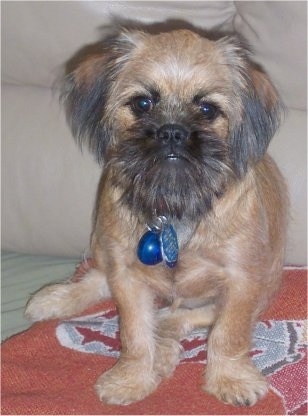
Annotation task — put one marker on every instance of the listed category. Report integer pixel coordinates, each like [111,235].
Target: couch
[49,186]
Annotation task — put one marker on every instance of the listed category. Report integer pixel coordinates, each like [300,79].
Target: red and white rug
[52,367]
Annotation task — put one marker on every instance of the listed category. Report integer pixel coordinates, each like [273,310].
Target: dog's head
[175,117]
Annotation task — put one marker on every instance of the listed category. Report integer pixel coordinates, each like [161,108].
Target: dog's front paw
[54,301]
[236,382]
[126,383]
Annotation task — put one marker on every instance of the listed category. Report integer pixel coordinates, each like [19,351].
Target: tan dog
[181,125]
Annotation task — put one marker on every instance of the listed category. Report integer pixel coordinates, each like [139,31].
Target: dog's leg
[230,374]
[172,326]
[181,321]
[132,378]
[63,300]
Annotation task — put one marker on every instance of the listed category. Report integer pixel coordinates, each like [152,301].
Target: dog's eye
[208,110]
[142,104]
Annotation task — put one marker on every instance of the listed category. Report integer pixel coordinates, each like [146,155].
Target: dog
[190,208]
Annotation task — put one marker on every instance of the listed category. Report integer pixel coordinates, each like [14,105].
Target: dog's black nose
[172,134]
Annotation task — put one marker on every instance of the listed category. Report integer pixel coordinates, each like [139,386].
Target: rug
[51,368]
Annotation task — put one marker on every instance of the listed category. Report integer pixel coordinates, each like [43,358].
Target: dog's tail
[64,300]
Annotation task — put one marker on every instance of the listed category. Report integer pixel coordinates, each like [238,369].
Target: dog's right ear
[87,88]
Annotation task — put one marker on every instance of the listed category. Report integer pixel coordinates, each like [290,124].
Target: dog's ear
[260,118]
[260,108]
[87,88]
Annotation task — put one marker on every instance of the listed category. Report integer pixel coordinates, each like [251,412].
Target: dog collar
[159,243]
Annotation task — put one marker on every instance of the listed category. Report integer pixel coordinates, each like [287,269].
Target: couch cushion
[21,276]
[48,185]
[39,37]
[277,32]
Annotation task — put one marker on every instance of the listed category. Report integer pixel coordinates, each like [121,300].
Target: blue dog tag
[169,245]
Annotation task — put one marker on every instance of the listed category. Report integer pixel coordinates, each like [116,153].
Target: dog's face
[174,117]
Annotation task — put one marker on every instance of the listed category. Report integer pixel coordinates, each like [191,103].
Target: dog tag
[169,245]
[149,248]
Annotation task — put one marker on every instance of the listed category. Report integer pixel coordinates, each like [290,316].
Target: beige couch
[48,185]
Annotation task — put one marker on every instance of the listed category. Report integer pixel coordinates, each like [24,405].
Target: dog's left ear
[260,109]
[261,117]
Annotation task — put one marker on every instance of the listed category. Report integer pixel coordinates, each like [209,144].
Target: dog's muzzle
[172,137]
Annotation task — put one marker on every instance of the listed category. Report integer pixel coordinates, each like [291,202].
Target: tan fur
[229,265]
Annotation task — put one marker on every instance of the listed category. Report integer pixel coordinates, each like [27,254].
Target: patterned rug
[52,367]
